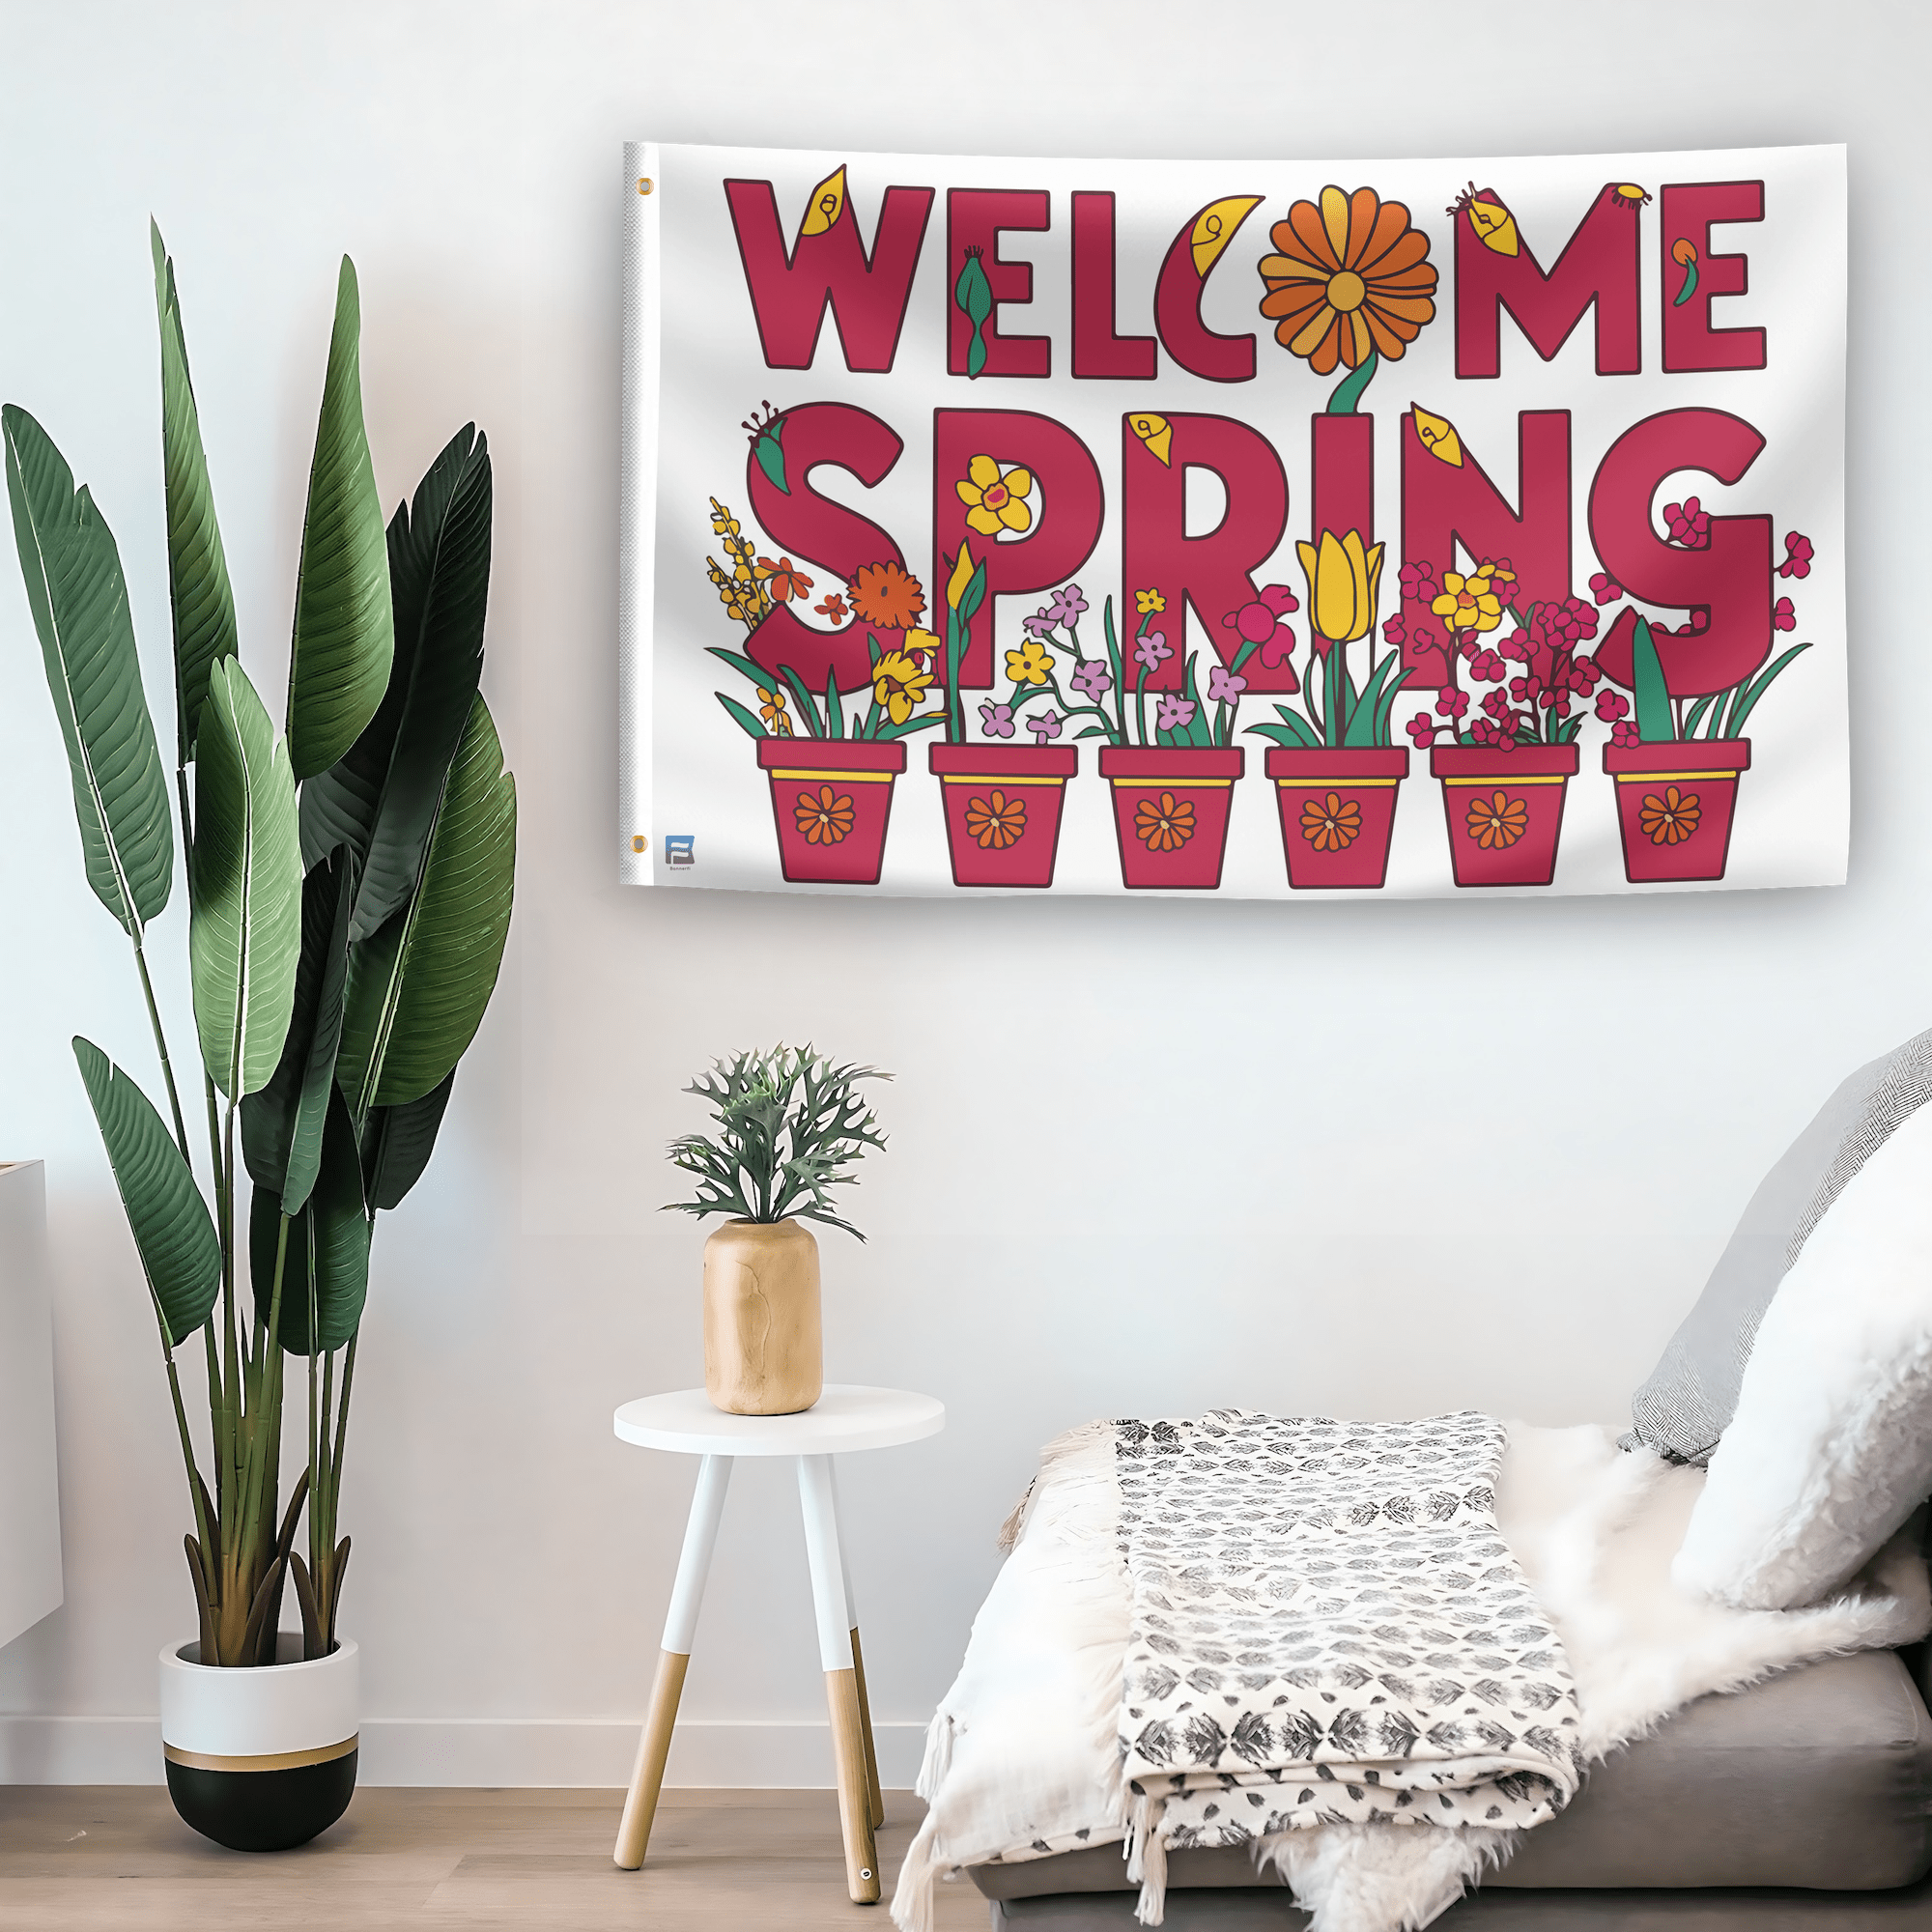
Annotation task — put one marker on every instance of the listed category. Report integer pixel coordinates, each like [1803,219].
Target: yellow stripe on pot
[1674,778]
[843,778]
[959,778]
[1553,779]
[1334,785]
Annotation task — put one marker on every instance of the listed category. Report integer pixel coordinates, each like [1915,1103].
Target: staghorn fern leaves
[791,1125]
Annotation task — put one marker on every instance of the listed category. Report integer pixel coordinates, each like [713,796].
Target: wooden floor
[75,1859]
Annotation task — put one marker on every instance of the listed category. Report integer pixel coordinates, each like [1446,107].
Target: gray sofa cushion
[1692,1392]
[1820,1778]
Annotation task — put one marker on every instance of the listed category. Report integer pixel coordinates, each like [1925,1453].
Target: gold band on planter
[268,1761]
[1169,784]
[1672,777]
[1504,779]
[1335,784]
[965,779]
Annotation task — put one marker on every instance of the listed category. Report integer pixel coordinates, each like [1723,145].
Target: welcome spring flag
[1260,528]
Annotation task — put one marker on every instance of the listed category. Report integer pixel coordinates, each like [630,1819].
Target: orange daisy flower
[1352,277]
[886,595]
[1163,825]
[995,822]
[1499,821]
[824,817]
[1331,824]
[1671,819]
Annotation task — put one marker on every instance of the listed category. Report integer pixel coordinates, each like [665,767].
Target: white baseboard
[486,1752]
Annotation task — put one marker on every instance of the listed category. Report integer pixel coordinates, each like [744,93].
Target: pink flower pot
[831,798]
[1675,803]
[1337,812]
[1171,812]
[1504,809]
[1002,804]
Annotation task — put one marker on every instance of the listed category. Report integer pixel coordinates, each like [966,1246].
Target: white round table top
[844,1418]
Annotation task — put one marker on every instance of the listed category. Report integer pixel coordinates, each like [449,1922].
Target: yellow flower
[995,498]
[1147,602]
[1030,664]
[772,709]
[899,684]
[1474,603]
[1343,579]
[962,576]
[723,522]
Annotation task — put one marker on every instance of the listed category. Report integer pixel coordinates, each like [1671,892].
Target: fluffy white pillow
[1830,1448]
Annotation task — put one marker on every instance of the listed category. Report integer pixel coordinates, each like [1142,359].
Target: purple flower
[1223,686]
[1044,725]
[1067,605]
[1151,651]
[997,720]
[1174,712]
[1798,555]
[1093,678]
[1040,625]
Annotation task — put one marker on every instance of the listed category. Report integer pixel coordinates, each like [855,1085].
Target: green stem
[1348,391]
[161,1047]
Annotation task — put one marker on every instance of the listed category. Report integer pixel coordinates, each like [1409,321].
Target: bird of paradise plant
[349,894]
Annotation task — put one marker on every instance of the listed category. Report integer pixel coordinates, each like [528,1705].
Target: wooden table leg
[842,1683]
[694,1563]
[877,1797]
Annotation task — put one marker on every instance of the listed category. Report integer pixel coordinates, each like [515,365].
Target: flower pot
[831,798]
[1675,803]
[1504,809]
[261,1759]
[1171,812]
[1002,804]
[1337,812]
[764,1351]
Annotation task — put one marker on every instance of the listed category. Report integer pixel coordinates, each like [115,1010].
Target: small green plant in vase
[790,1125]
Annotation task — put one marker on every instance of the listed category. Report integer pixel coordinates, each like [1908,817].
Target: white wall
[1376,1160]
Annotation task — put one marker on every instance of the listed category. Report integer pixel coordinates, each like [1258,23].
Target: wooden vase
[764,1350]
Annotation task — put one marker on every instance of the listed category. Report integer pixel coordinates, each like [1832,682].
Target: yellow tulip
[1343,581]
[962,576]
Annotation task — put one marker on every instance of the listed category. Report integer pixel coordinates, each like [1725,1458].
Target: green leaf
[198,589]
[834,711]
[1294,733]
[380,798]
[281,1125]
[397,1144]
[743,720]
[1655,724]
[807,706]
[245,880]
[326,1265]
[924,722]
[757,673]
[345,632]
[1368,723]
[1702,705]
[179,1253]
[79,603]
[1747,701]
[419,988]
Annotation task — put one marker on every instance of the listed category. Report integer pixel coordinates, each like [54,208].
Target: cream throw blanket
[1023,1758]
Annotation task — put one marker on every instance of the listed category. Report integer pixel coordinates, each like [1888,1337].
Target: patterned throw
[1327,1628]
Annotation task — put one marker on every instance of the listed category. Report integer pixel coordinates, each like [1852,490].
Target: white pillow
[1830,1448]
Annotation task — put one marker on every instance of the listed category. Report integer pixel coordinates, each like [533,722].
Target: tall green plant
[348,892]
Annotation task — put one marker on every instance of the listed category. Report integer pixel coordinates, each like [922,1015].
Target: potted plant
[831,771]
[1336,773]
[1505,771]
[1002,799]
[331,1007]
[790,1127]
[1676,762]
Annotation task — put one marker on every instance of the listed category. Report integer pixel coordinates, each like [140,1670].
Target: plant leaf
[179,1253]
[397,1144]
[79,603]
[326,1268]
[739,716]
[245,930]
[1655,724]
[198,589]
[419,988]
[380,798]
[282,1124]
[1746,700]
[345,632]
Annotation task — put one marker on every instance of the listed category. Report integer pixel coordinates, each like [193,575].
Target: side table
[844,1418]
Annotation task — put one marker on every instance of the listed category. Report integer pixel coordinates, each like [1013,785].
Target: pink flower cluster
[1555,675]
[1689,524]
[1798,555]
[1604,587]
[1419,586]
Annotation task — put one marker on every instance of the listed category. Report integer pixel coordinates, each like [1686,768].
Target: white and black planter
[264,1759]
